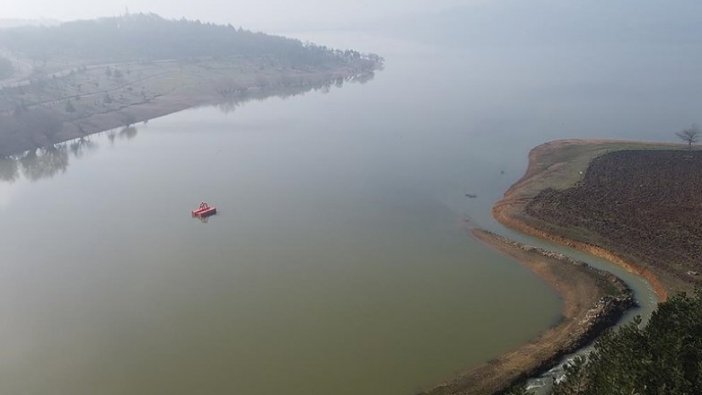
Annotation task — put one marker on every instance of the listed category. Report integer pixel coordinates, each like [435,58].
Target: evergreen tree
[664,357]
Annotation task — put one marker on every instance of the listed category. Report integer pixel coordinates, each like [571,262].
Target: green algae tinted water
[338,262]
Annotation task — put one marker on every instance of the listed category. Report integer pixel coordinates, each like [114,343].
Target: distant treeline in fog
[150,37]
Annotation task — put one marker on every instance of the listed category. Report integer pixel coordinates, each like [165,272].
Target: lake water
[339,262]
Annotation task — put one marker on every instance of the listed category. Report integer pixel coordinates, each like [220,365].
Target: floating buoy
[204,211]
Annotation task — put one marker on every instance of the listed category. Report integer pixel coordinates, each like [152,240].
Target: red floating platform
[205,210]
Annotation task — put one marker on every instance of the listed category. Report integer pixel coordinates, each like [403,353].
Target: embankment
[559,165]
[593,300]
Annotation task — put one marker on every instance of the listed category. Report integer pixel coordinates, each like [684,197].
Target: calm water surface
[339,262]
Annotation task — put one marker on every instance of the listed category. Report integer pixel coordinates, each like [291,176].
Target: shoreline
[509,211]
[593,300]
[502,214]
[558,164]
[44,125]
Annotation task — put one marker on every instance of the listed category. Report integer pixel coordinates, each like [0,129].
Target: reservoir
[339,261]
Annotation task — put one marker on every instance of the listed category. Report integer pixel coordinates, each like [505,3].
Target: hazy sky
[255,14]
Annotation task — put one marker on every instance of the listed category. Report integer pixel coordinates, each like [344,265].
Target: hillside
[66,81]
[150,37]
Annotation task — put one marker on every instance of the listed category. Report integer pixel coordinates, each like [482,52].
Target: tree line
[663,357]
[149,37]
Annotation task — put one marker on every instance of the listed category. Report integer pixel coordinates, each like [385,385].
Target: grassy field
[561,164]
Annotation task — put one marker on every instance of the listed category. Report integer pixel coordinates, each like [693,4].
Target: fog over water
[263,15]
[339,262]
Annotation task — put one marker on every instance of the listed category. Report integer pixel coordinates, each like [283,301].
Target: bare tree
[690,135]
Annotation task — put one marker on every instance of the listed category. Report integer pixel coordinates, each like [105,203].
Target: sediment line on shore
[593,300]
[501,213]
[509,211]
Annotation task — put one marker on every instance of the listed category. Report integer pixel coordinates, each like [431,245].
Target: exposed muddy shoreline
[558,164]
[510,210]
[593,300]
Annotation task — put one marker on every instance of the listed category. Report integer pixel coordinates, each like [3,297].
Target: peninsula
[69,80]
[634,204]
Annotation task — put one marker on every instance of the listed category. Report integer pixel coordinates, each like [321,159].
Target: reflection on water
[128,133]
[81,146]
[231,98]
[46,162]
[8,169]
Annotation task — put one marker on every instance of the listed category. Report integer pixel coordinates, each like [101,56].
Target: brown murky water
[338,263]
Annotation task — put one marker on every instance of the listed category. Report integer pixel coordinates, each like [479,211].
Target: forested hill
[149,37]
[67,81]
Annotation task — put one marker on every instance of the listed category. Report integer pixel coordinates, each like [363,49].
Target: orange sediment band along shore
[501,212]
[508,210]
[589,307]
[584,317]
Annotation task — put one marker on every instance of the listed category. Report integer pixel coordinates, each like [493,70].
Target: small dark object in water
[470,195]
[502,172]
